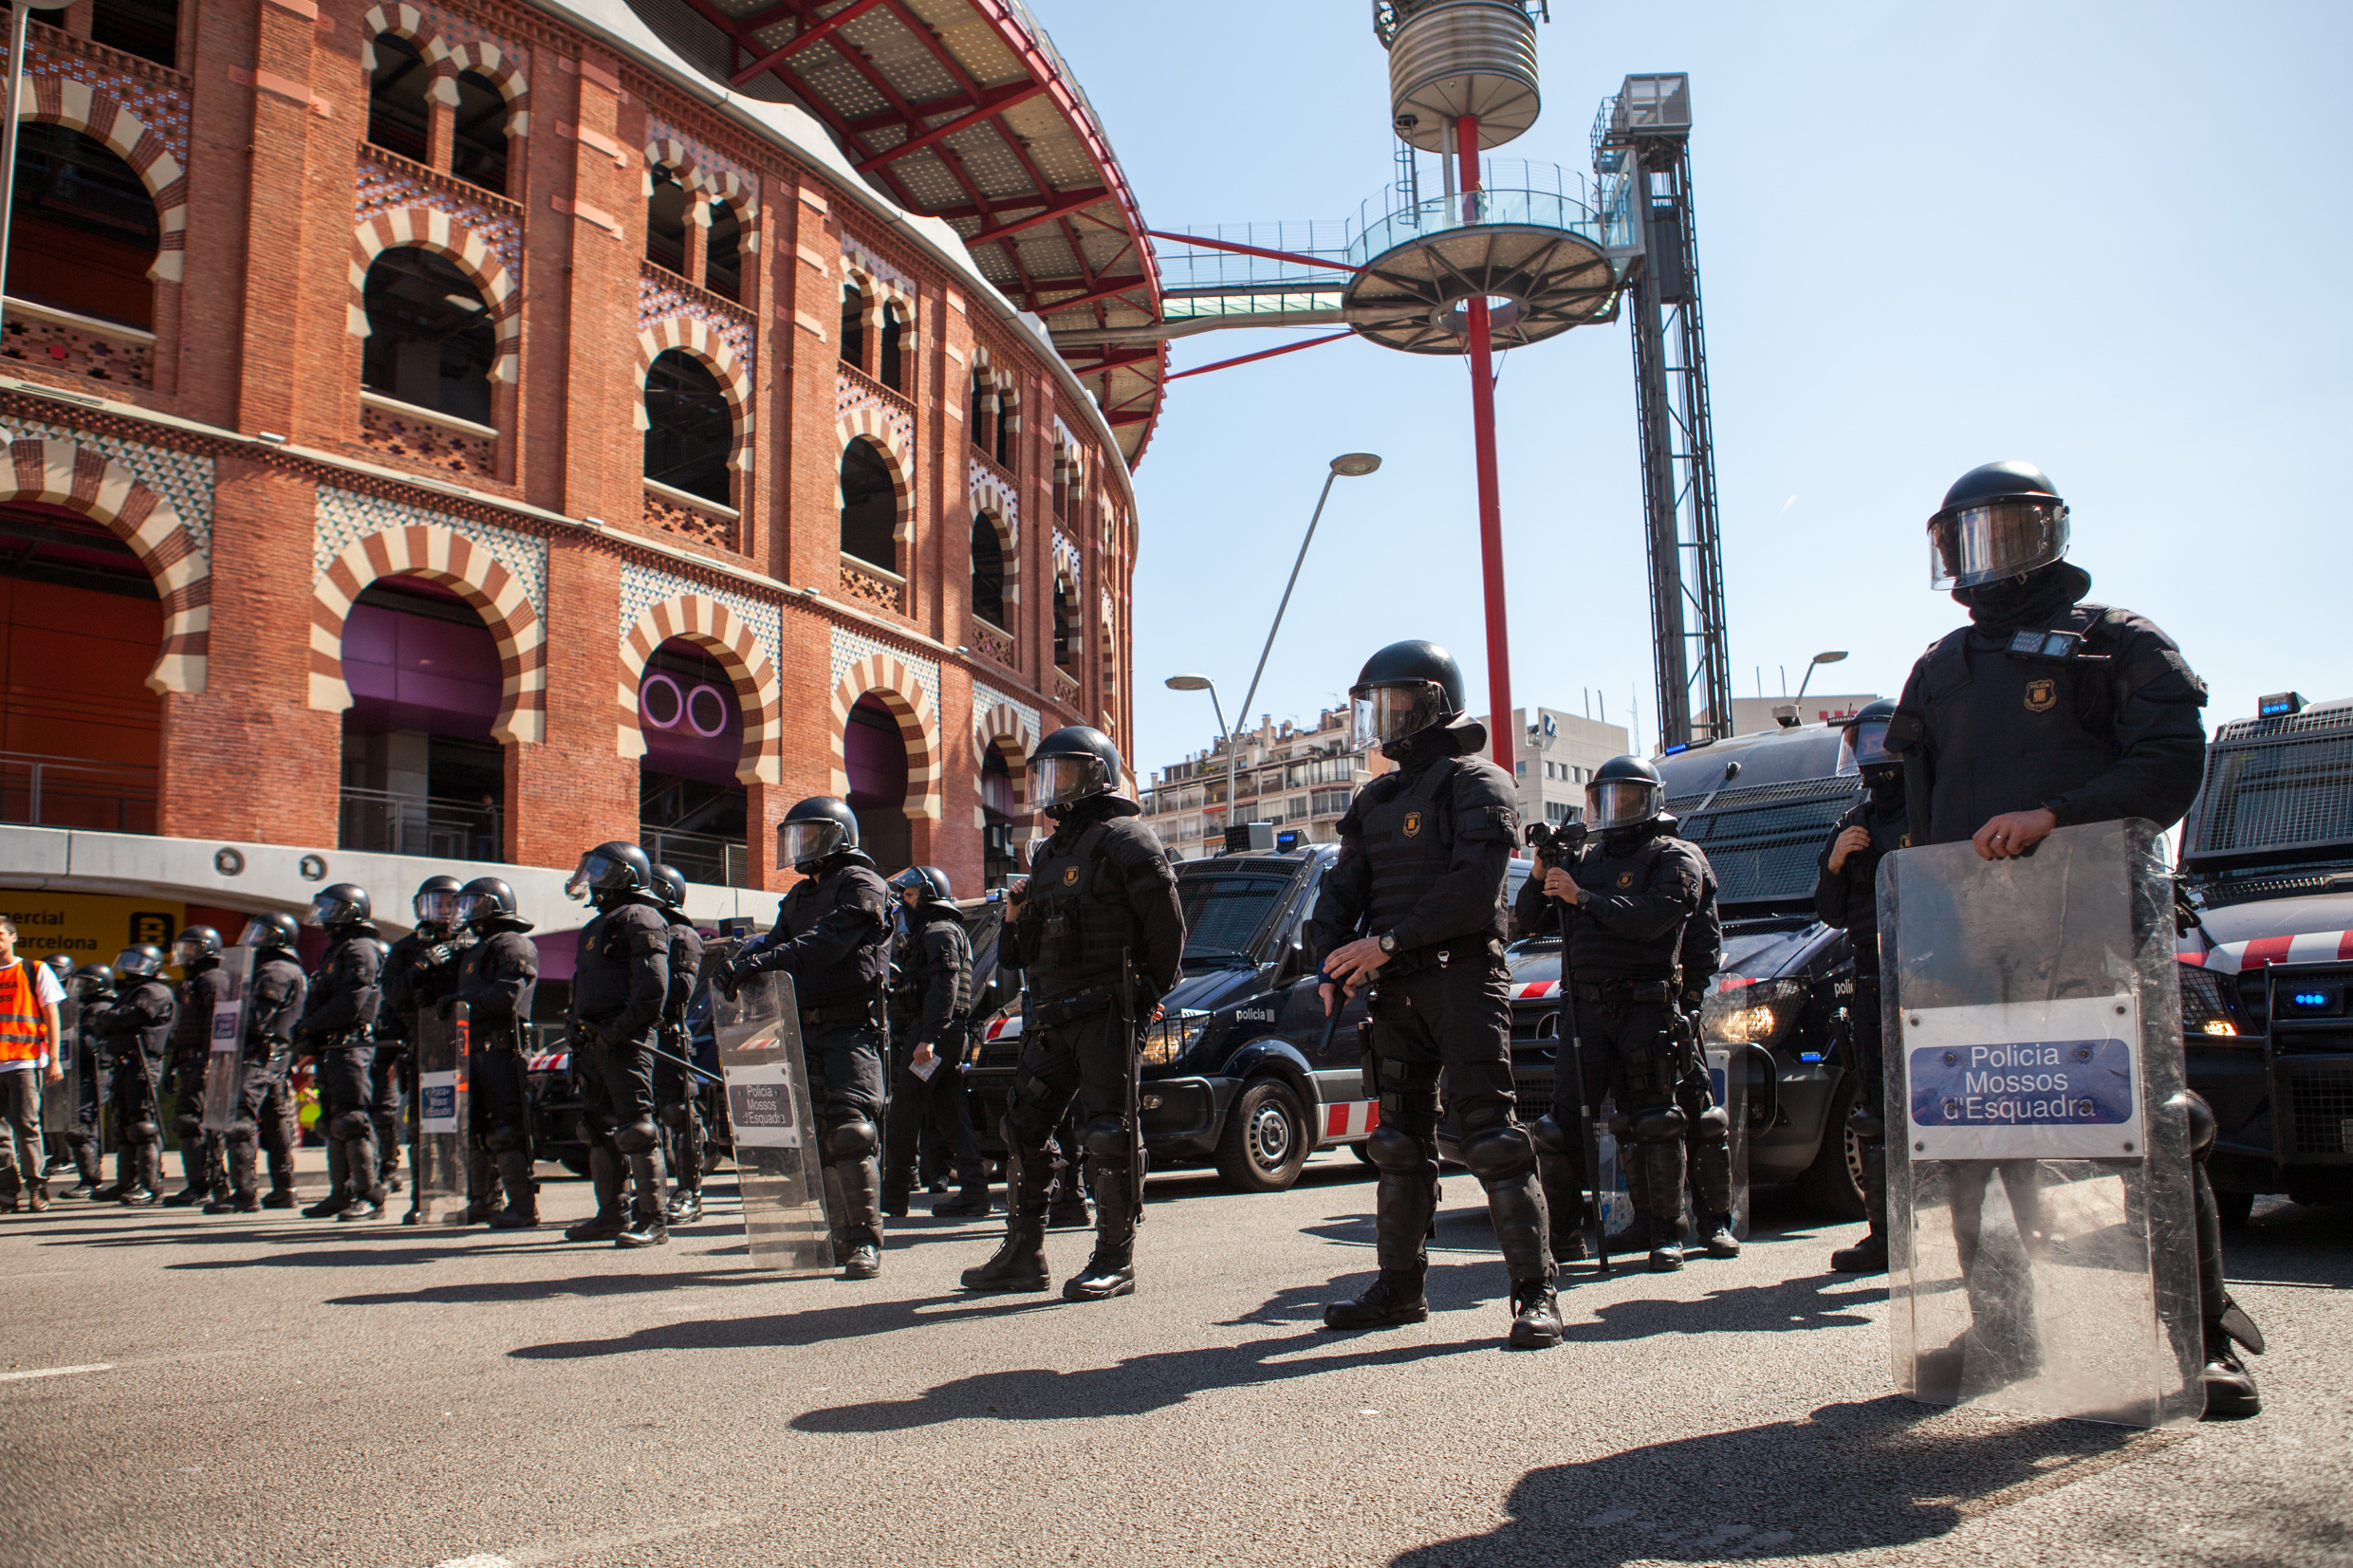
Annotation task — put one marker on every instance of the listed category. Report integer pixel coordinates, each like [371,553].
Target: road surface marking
[590,1545]
[55,1372]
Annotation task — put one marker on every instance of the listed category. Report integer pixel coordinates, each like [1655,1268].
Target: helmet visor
[1973,545]
[259,933]
[1385,714]
[327,910]
[1620,803]
[437,907]
[800,843]
[1864,746]
[476,906]
[137,961]
[1066,777]
[597,871]
[185,951]
[911,880]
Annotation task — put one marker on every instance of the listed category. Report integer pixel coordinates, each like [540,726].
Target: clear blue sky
[2109,238]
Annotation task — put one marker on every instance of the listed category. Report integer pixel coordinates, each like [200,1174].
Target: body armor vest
[1084,923]
[1598,953]
[492,1024]
[192,1031]
[279,986]
[1407,835]
[866,969]
[126,1020]
[1889,833]
[328,987]
[686,966]
[923,968]
[600,988]
[2008,730]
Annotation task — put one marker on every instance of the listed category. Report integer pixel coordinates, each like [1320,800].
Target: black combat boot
[281,1197]
[234,1203]
[865,1261]
[1666,1254]
[644,1229]
[1535,1315]
[895,1200]
[1112,1270]
[1716,1234]
[973,1200]
[1019,1263]
[2229,1388]
[1869,1255]
[367,1206]
[1395,1297]
[328,1207]
[1071,1213]
[605,1175]
[686,1205]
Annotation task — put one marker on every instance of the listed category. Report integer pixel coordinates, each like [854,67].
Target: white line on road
[55,1372]
[596,1545]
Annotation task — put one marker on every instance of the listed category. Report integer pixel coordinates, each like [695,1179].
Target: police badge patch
[2040,695]
[1412,825]
[1069,876]
[1625,880]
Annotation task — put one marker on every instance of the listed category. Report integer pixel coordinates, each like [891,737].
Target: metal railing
[705,857]
[379,821]
[42,791]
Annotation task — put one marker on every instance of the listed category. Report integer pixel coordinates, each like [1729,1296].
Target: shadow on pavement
[1848,1478]
[850,1321]
[1785,1306]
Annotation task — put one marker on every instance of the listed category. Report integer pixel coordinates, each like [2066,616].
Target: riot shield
[440,1172]
[1729,1090]
[224,1063]
[60,1101]
[2042,1238]
[777,1169]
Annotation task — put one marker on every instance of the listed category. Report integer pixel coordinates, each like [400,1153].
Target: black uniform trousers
[1451,1023]
[202,1153]
[137,1103]
[1870,1069]
[255,1127]
[93,1086]
[346,1099]
[845,1065]
[617,1097]
[391,1079]
[938,1107]
[498,1127]
[1631,1059]
[679,1094]
[1083,1062]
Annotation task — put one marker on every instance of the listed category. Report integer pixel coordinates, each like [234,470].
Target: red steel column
[1490,495]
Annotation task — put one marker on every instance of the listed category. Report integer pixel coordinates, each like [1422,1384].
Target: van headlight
[2205,1011]
[1758,1014]
[1173,1036]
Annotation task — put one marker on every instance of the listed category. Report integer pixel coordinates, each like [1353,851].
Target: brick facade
[236,456]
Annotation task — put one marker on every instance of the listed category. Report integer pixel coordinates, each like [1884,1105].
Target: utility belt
[864,1012]
[1078,1005]
[1625,994]
[1438,955]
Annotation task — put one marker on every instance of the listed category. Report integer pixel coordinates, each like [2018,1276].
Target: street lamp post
[1830,656]
[1353,465]
[22,14]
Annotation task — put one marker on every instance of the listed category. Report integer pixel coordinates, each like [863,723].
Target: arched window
[82,228]
[854,326]
[690,806]
[1064,605]
[980,423]
[869,504]
[892,371]
[422,773]
[690,431]
[874,753]
[479,154]
[1004,442]
[429,339]
[723,252]
[397,113]
[988,571]
[665,223]
[148,29]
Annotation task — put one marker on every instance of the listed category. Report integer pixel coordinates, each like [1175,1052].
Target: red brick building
[471,431]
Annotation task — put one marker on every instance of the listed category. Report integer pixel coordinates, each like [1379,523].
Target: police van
[1240,1072]
[2266,976]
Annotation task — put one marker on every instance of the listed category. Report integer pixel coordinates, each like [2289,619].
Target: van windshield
[1762,954]
[1225,912]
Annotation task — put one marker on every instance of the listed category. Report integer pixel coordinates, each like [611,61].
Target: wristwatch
[1388,942]
[1585,897]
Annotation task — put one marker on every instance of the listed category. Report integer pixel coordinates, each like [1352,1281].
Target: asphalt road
[188,1389]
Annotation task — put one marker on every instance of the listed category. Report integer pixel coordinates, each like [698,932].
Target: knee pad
[1499,1153]
[145,1132]
[1715,1125]
[1868,1125]
[853,1139]
[1393,1151]
[1548,1135]
[675,1116]
[504,1139]
[352,1124]
[188,1128]
[636,1137]
[2193,1104]
[1659,1124]
[242,1133]
[1106,1138]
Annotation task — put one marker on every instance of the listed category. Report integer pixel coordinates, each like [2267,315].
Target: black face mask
[2034,599]
[1885,785]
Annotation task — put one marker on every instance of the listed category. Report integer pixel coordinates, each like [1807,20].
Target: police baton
[1564,842]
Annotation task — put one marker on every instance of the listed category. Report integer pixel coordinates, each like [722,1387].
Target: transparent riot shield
[224,1063]
[777,1167]
[2042,1233]
[1729,1089]
[440,1172]
[60,1101]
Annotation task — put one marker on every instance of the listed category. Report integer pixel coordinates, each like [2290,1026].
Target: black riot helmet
[1864,746]
[196,947]
[344,904]
[1075,762]
[93,980]
[60,965]
[436,903]
[670,886]
[1405,690]
[1998,520]
[1626,792]
[271,930]
[813,832]
[142,962]
[928,883]
[485,899]
[612,870]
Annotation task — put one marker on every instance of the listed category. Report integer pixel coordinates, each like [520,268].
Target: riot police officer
[132,1030]
[677,1089]
[833,936]
[273,1002]
[93,993]
[499,978]
[338,1031]
[1846,895]
[620,986]
[420,972]
[1414,907]
[930,1004]
[1102,934]
[2045,712]
[203,983]
[1634,888]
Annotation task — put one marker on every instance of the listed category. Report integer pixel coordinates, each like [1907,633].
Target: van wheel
[1362,1150]
[1833,1186]
[1264,1141]
[2235,1207]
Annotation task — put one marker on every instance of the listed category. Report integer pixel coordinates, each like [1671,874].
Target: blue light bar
[2279,705]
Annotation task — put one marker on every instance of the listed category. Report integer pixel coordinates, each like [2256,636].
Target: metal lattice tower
[1644,134]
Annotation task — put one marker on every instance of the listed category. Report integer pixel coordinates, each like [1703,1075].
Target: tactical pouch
[1371,1072]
